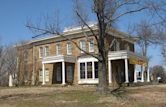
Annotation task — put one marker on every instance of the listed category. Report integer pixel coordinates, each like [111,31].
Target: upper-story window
[46,50]
[58,49]
[116,46]
[91,45]
[69,48]
[41,52]
[127,47]
[83,45]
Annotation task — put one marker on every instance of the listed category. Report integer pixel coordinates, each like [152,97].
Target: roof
[78,30]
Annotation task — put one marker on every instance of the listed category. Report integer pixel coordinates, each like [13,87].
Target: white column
[10,80]
[126,71]
[148,76]
[109,71]
[85,70]
[93,69]
[43,69]
[78,71]
[63,73]
[135,76]
[142,74]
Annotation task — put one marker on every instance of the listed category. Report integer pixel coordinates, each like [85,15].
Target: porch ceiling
[59,58]
[114,55]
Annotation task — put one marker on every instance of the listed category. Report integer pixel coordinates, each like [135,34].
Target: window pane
[47,75]
[40,76]
[96,69]
[41,52]
[58,49]
[46,51]
[83,45]
[69,48]
[91,45]
[82,70]
[89,70]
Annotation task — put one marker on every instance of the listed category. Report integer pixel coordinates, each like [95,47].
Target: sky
[14,15]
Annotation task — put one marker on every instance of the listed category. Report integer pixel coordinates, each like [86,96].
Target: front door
[58,74]
[69,71]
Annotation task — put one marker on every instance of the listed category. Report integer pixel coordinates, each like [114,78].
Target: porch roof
[59,58]
[114,55]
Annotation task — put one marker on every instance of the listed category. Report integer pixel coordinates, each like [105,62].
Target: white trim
[123,54]
[78,71]
[126,71]
[142,74]
[93,70]
[63,73]
[109,71]
[135,76]
[59,58]
[43,69]
[87,59]
[148,78]
[88,81]
[86,70]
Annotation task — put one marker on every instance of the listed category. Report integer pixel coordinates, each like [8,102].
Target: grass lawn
[82,96]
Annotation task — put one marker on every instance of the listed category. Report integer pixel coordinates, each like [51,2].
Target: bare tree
[22,66]
[107,13]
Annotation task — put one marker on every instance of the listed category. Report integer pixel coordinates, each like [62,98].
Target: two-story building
[56,60]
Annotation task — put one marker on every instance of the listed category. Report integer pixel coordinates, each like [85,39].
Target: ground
[82,96]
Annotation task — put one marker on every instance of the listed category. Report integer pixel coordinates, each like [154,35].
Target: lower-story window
[96,69]
[89,69]
[46,75]
[82,70]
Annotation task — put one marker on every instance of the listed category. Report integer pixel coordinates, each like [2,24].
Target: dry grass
[82,96]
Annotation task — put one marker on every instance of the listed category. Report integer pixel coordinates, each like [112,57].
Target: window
[40,75]
[89,69]
[127,47]
[91,45]
[46,75]
[41,54]
[83,45]
[116,46]
[69,70]
[96,69]
[82,70]
[69,48]
[46,50]
[58,49]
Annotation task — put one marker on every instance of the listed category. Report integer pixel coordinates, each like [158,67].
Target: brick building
[56,60]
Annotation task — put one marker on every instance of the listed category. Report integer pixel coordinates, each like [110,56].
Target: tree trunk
[103,77]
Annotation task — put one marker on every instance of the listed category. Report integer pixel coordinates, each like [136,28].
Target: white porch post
[142,74]
[63,73]
[10,80]
[109,71]
[126,71]
[93,70]
[43,69]
[86,70]
[135,76]
[148,78]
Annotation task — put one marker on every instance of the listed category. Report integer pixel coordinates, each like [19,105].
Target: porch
[63,69]
[130,60]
